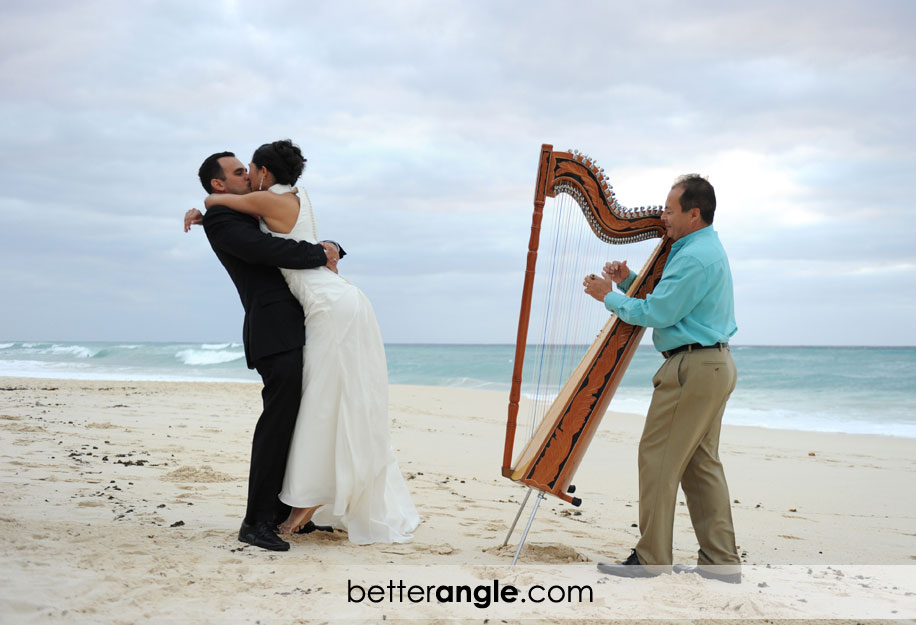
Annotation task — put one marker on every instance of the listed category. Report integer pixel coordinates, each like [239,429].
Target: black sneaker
[631,567]
[310,527]
[262,534]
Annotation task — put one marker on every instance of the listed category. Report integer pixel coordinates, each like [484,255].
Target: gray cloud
[422,123]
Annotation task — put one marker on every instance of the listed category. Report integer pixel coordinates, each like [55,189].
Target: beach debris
[811,453]
[131,463]
[177,524]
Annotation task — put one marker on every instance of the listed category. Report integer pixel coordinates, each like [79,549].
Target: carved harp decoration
[555,450]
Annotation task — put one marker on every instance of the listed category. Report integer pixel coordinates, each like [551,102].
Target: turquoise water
[861,390]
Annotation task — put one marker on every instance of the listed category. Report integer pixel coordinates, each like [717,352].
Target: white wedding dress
[340,456]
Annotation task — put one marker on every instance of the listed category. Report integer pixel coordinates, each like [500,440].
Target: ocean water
[857,390]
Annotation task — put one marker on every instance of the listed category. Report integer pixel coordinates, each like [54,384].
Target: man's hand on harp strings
[597,286]
[616,271]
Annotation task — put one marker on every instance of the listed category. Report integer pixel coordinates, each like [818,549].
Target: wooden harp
[555,450]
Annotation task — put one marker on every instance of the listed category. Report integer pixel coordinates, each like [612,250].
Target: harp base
[561,492]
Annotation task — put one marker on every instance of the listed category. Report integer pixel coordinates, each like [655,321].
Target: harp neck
[581,178]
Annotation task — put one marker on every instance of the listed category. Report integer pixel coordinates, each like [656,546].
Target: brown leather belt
[689,348]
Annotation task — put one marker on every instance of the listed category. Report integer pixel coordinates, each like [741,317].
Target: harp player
[691,311]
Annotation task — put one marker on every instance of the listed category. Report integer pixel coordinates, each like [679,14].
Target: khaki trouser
[680,445]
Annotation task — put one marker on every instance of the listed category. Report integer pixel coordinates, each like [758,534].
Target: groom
[273,334]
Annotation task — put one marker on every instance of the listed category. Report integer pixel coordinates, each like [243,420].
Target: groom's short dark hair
[211,169]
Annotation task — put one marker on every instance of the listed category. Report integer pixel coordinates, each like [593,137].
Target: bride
[341,469]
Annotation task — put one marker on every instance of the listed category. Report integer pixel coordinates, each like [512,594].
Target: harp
[553,453]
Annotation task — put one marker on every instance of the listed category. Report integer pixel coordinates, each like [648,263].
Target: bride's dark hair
[281,158]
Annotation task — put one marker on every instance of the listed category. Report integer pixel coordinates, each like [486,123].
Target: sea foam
[71,350]
[202,357]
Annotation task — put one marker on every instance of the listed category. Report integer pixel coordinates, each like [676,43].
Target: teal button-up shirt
[693,302]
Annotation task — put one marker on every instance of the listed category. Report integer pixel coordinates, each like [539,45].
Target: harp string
[564,319]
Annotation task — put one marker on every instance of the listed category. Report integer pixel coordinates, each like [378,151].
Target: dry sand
[121,502]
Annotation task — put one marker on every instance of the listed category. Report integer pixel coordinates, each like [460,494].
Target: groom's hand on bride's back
[193,218]
[332,251]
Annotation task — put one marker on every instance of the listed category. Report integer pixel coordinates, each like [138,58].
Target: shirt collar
[702,233]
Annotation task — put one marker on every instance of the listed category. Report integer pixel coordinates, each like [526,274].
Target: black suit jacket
[274,321]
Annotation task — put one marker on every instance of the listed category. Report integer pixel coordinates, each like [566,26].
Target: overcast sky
[422,121]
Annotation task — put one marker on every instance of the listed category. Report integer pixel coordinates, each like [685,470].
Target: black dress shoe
[712,572]
[262,534]
[630,567]
[310,527]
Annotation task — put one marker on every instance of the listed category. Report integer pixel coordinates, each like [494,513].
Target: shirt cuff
[613,300]
[628,282]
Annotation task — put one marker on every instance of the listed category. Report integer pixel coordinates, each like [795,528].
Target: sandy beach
[121,502]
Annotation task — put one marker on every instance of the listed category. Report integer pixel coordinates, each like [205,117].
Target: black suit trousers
[282,393]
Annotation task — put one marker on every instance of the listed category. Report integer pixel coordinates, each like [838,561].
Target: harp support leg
[534,511]
[517,515]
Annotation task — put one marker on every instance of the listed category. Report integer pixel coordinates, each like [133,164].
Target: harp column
[545,178]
